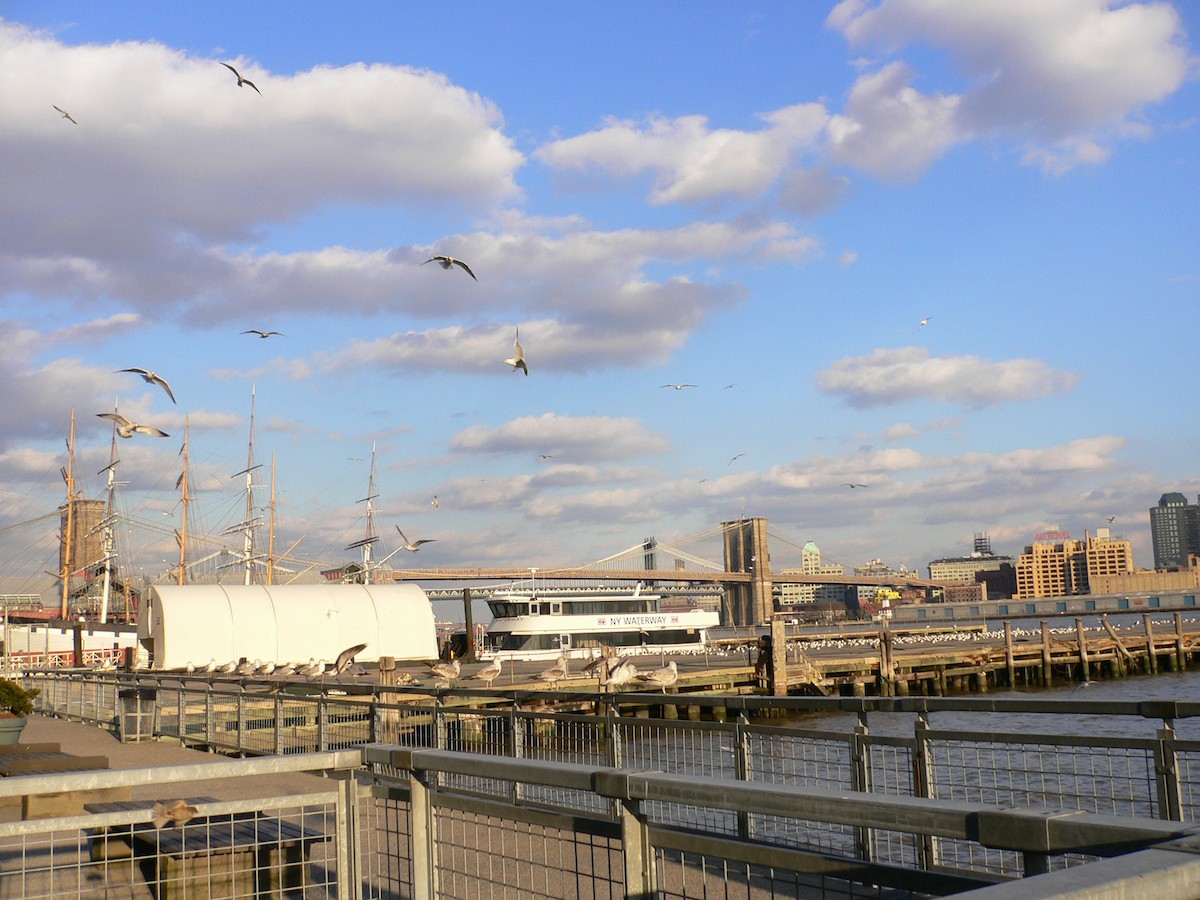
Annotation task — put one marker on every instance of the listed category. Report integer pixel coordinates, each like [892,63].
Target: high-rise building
[1175,531]
[996,573]
[810,564]
[1056,566]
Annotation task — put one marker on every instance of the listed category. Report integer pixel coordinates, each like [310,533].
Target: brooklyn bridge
[744,573]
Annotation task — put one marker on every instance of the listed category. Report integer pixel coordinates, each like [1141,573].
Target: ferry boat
[581,623]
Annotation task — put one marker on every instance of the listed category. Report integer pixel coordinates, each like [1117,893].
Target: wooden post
[1151,659]
[887,672]
[1125,658]
[389,719]
[779,666]
[77,645]
[1180,654]
[1047,676]
[470,621]
[1081,635]
[1009,663]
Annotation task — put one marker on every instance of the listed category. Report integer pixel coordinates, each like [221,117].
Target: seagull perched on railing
[447,261]
[664,677]
[553,675]
[489,672]
[623,672]
[346,657]
[445,672]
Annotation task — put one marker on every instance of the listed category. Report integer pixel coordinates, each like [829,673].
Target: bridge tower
[746,551]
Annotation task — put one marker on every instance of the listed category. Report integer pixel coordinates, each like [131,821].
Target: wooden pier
[946,665]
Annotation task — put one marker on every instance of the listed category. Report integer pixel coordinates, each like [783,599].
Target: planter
[11,728]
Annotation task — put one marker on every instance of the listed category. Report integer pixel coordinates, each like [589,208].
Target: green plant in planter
[16,699]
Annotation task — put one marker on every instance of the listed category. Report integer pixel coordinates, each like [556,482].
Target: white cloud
[1060,74]
[889,128]
[190,163]
[910,373]
[691,161]
[583,437]
[901,431]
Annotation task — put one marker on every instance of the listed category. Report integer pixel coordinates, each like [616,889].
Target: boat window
[507,610]
[606,607]
[564,641]
[529,642]
[535,608]
[555,608]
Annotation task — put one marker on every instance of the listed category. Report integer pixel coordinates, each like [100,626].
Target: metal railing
[385,821]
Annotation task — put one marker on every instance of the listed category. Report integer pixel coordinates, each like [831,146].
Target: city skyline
[906,267]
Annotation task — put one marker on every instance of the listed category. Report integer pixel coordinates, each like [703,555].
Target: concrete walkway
[79,739]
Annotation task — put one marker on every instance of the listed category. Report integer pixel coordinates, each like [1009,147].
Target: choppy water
[1176,686]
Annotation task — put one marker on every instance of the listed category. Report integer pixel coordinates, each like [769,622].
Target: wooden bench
[227,855]
[47,759]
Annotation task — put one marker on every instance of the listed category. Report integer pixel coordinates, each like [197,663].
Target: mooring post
[1180,653]
[1009,663]
[1151,659]
[1081,635]
[779,666]
[887,671]
[469,619]
[1047,676]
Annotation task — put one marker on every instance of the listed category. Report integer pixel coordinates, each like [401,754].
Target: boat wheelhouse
[546,623]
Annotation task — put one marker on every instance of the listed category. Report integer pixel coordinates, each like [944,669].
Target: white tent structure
[184,624]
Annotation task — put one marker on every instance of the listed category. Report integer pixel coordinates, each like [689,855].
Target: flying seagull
[925,321]
[518,358]
[346,657]
[152,378]
[678,387]
[434,502]
[414,546]
[1111,519]
[739,456]
[240,79]
[177,812]
[127,429]
[448,261]
[264,334]
[66,115]
[852,485]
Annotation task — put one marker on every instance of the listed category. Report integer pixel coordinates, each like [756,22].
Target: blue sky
[765,195]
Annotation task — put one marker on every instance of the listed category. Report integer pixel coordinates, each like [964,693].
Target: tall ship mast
[250,524]
[66,561]
[181,535]
[368,541]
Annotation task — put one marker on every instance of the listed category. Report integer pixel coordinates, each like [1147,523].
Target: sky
[944,251]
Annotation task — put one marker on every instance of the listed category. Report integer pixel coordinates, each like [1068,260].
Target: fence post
[743,770]
[1166,765]
[860,780]
[927,850]
[322,723]
[241,717]
[278,725]
[641,879]
[517,729]
[348,861]
[424,838]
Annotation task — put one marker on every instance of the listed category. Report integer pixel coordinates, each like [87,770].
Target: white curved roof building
[184,624]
